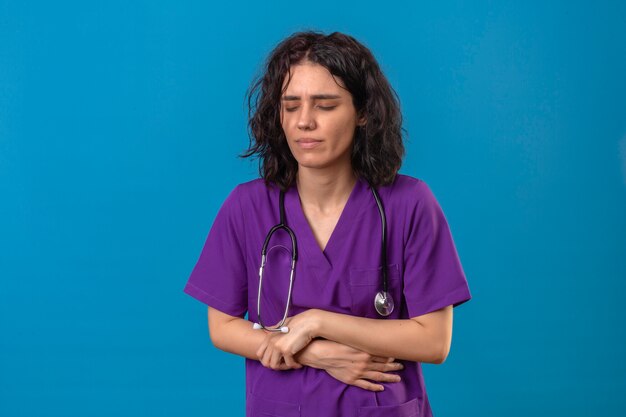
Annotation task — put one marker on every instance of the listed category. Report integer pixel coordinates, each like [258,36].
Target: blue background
[120,123]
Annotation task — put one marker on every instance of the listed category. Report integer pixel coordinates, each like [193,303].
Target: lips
[308,143]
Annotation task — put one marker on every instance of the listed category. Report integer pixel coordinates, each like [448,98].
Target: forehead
[309,78]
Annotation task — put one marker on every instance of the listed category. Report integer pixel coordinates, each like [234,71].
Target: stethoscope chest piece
[383,303]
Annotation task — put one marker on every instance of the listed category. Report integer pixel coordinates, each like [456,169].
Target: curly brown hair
[378,148]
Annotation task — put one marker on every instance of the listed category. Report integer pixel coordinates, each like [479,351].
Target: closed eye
[325,108]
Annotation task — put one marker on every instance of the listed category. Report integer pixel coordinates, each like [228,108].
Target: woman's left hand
[278,347]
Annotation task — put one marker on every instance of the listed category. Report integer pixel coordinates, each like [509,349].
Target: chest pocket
[365,284]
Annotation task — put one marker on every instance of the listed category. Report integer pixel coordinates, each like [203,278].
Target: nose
[305,119]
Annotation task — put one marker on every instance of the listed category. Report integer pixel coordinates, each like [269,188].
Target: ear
[361,121]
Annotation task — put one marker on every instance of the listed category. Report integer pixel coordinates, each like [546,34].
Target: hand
[282,366]
[350,366]
[278,349]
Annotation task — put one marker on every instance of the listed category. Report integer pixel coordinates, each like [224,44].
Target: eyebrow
[314,97]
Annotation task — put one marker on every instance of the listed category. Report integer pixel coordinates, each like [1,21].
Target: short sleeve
[433,275]
[219,278]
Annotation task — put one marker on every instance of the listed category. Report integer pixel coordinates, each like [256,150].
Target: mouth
[308,143]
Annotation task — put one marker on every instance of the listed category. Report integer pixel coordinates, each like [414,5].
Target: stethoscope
[383,302]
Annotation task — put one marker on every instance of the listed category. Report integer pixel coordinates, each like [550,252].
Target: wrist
[315,322]
[310,355]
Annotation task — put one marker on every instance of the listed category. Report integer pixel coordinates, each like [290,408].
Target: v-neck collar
[307,244]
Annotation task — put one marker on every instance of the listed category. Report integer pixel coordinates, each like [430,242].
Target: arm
[236,335]
[424,338]
[344,363]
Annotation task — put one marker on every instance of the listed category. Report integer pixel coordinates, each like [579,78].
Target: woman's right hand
[349,365]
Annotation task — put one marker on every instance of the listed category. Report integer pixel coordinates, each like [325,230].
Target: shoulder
[256,187]
[407,183]
[409,191]
[414,206]
[411,201]
[253,192]
[245,197]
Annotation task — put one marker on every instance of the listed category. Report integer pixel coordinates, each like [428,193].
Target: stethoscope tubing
[294,257]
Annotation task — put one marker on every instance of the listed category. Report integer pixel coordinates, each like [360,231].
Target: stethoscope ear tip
[256,326]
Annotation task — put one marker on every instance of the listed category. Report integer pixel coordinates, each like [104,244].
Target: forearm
[400,339]
[312,354]
[238,337]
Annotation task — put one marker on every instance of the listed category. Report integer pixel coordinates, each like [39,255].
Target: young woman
[374,270]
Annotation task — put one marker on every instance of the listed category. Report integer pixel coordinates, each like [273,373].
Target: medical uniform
[424,274]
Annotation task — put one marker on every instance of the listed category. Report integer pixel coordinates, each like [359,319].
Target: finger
[283,367]
[382,359]
[392,366]
[288,359]
[381,376]
[267,356]
[395,366]
[361,383]
[385,367]
[276,359]
[261,350]
[376,366]
[291,363]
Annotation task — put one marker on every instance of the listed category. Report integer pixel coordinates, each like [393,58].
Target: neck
[325,191]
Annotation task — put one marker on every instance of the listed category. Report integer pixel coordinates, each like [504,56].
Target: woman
[326,126]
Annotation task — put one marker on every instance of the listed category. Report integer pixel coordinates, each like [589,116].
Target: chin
[311,164]
[310,161]
[314,164]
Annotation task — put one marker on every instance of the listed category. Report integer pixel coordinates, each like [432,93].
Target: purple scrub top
[424,274]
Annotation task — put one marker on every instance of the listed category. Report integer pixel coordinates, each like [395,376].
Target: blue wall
[120,123]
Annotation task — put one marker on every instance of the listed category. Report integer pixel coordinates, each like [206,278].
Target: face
[318,117]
